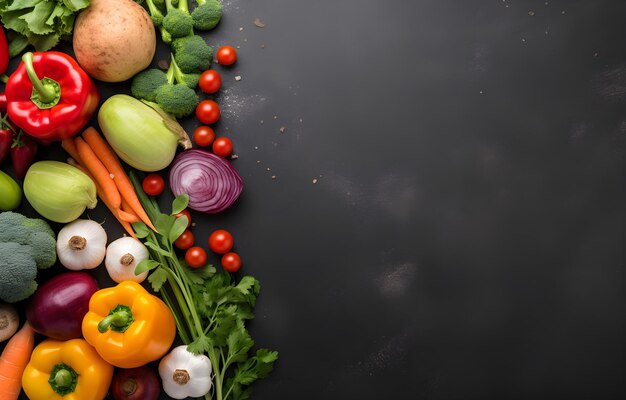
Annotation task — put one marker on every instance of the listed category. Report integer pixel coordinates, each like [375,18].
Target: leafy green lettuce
[42,22]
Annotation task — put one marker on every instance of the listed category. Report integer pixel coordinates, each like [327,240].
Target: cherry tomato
[222,146]
[203,135]
[153,184]
[231,262]
[196,257]
[221,241]
[186,213]
[185,240]
[208,112]
[210,81]
[226,55]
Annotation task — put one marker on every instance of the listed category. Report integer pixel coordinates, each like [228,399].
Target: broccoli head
[179,100]
[25,245]
[207,14]
[155,13]
[175,75]
[178,23]
[146,83]
[192,54]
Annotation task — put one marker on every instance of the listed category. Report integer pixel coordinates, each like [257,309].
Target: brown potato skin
[114,39]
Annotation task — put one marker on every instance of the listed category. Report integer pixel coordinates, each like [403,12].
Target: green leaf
[37,18]
[198,276]
[158,249]
[44,42]
[239,343]
[164,224]
[76,5]
[158,278]
[141,230]
[180,203]
[146,265]
[17,45]
[178,228]
[201,345]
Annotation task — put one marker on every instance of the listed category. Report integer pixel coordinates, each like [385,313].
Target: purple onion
[58,306]
[211,183]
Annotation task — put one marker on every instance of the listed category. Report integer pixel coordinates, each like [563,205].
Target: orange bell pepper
[128,326]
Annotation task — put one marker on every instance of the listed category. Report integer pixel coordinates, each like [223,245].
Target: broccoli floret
[34,232]
[178,21]
[146,83]
[155,13]
[192,54]
[207,14]
[178,100]
[175,75]
[18,272]
[25,245]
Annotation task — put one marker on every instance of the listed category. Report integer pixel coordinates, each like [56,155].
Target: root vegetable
[114,39]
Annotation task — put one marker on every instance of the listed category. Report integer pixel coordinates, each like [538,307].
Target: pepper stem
[46,92]
[63,379]
[119,319]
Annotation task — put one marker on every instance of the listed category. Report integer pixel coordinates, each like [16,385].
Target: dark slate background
[443,215]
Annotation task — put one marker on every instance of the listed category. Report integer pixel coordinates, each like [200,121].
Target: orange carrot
[123,218]
[108,157]
[70,147]
[115,211]
[98,172]
[13,361]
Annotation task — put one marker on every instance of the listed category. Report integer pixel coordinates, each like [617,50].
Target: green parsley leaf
[141,230]
[146,265]
[202,344]
[157,278]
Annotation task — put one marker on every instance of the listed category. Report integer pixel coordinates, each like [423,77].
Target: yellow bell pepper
[70,370]
[128,326]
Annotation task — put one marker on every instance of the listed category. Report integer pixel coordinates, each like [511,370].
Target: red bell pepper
[23,154]
[50,97]
[4,52]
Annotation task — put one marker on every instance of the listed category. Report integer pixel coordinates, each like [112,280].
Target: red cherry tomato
[153,184]
[196,257]
[226,55]
[208,112]
[203,135]
[221,241]
[210,81]
[185,240]
[231,262]
[186,213]
[222,146]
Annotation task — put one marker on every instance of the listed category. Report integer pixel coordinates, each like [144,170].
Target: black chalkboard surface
[433,195]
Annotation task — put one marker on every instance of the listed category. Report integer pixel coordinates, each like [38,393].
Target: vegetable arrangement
[94,341]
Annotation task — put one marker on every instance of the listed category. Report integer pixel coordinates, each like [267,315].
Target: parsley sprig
[210,308]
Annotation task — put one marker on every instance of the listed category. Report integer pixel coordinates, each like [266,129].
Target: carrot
[115,211]
[70,147]
[13,361]
[122,217]
[108,157]
[98,172]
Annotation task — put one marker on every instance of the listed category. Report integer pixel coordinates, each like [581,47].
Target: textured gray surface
[464,237]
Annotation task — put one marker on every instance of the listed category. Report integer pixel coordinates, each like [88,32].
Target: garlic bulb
[185,374]
[122,256]
[81,244]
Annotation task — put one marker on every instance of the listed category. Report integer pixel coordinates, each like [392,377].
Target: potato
[114,39]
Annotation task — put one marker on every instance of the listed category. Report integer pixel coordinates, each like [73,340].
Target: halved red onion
[211,182]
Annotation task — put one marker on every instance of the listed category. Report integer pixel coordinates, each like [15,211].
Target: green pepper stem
[63,378]
[118,320]
[46,92]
